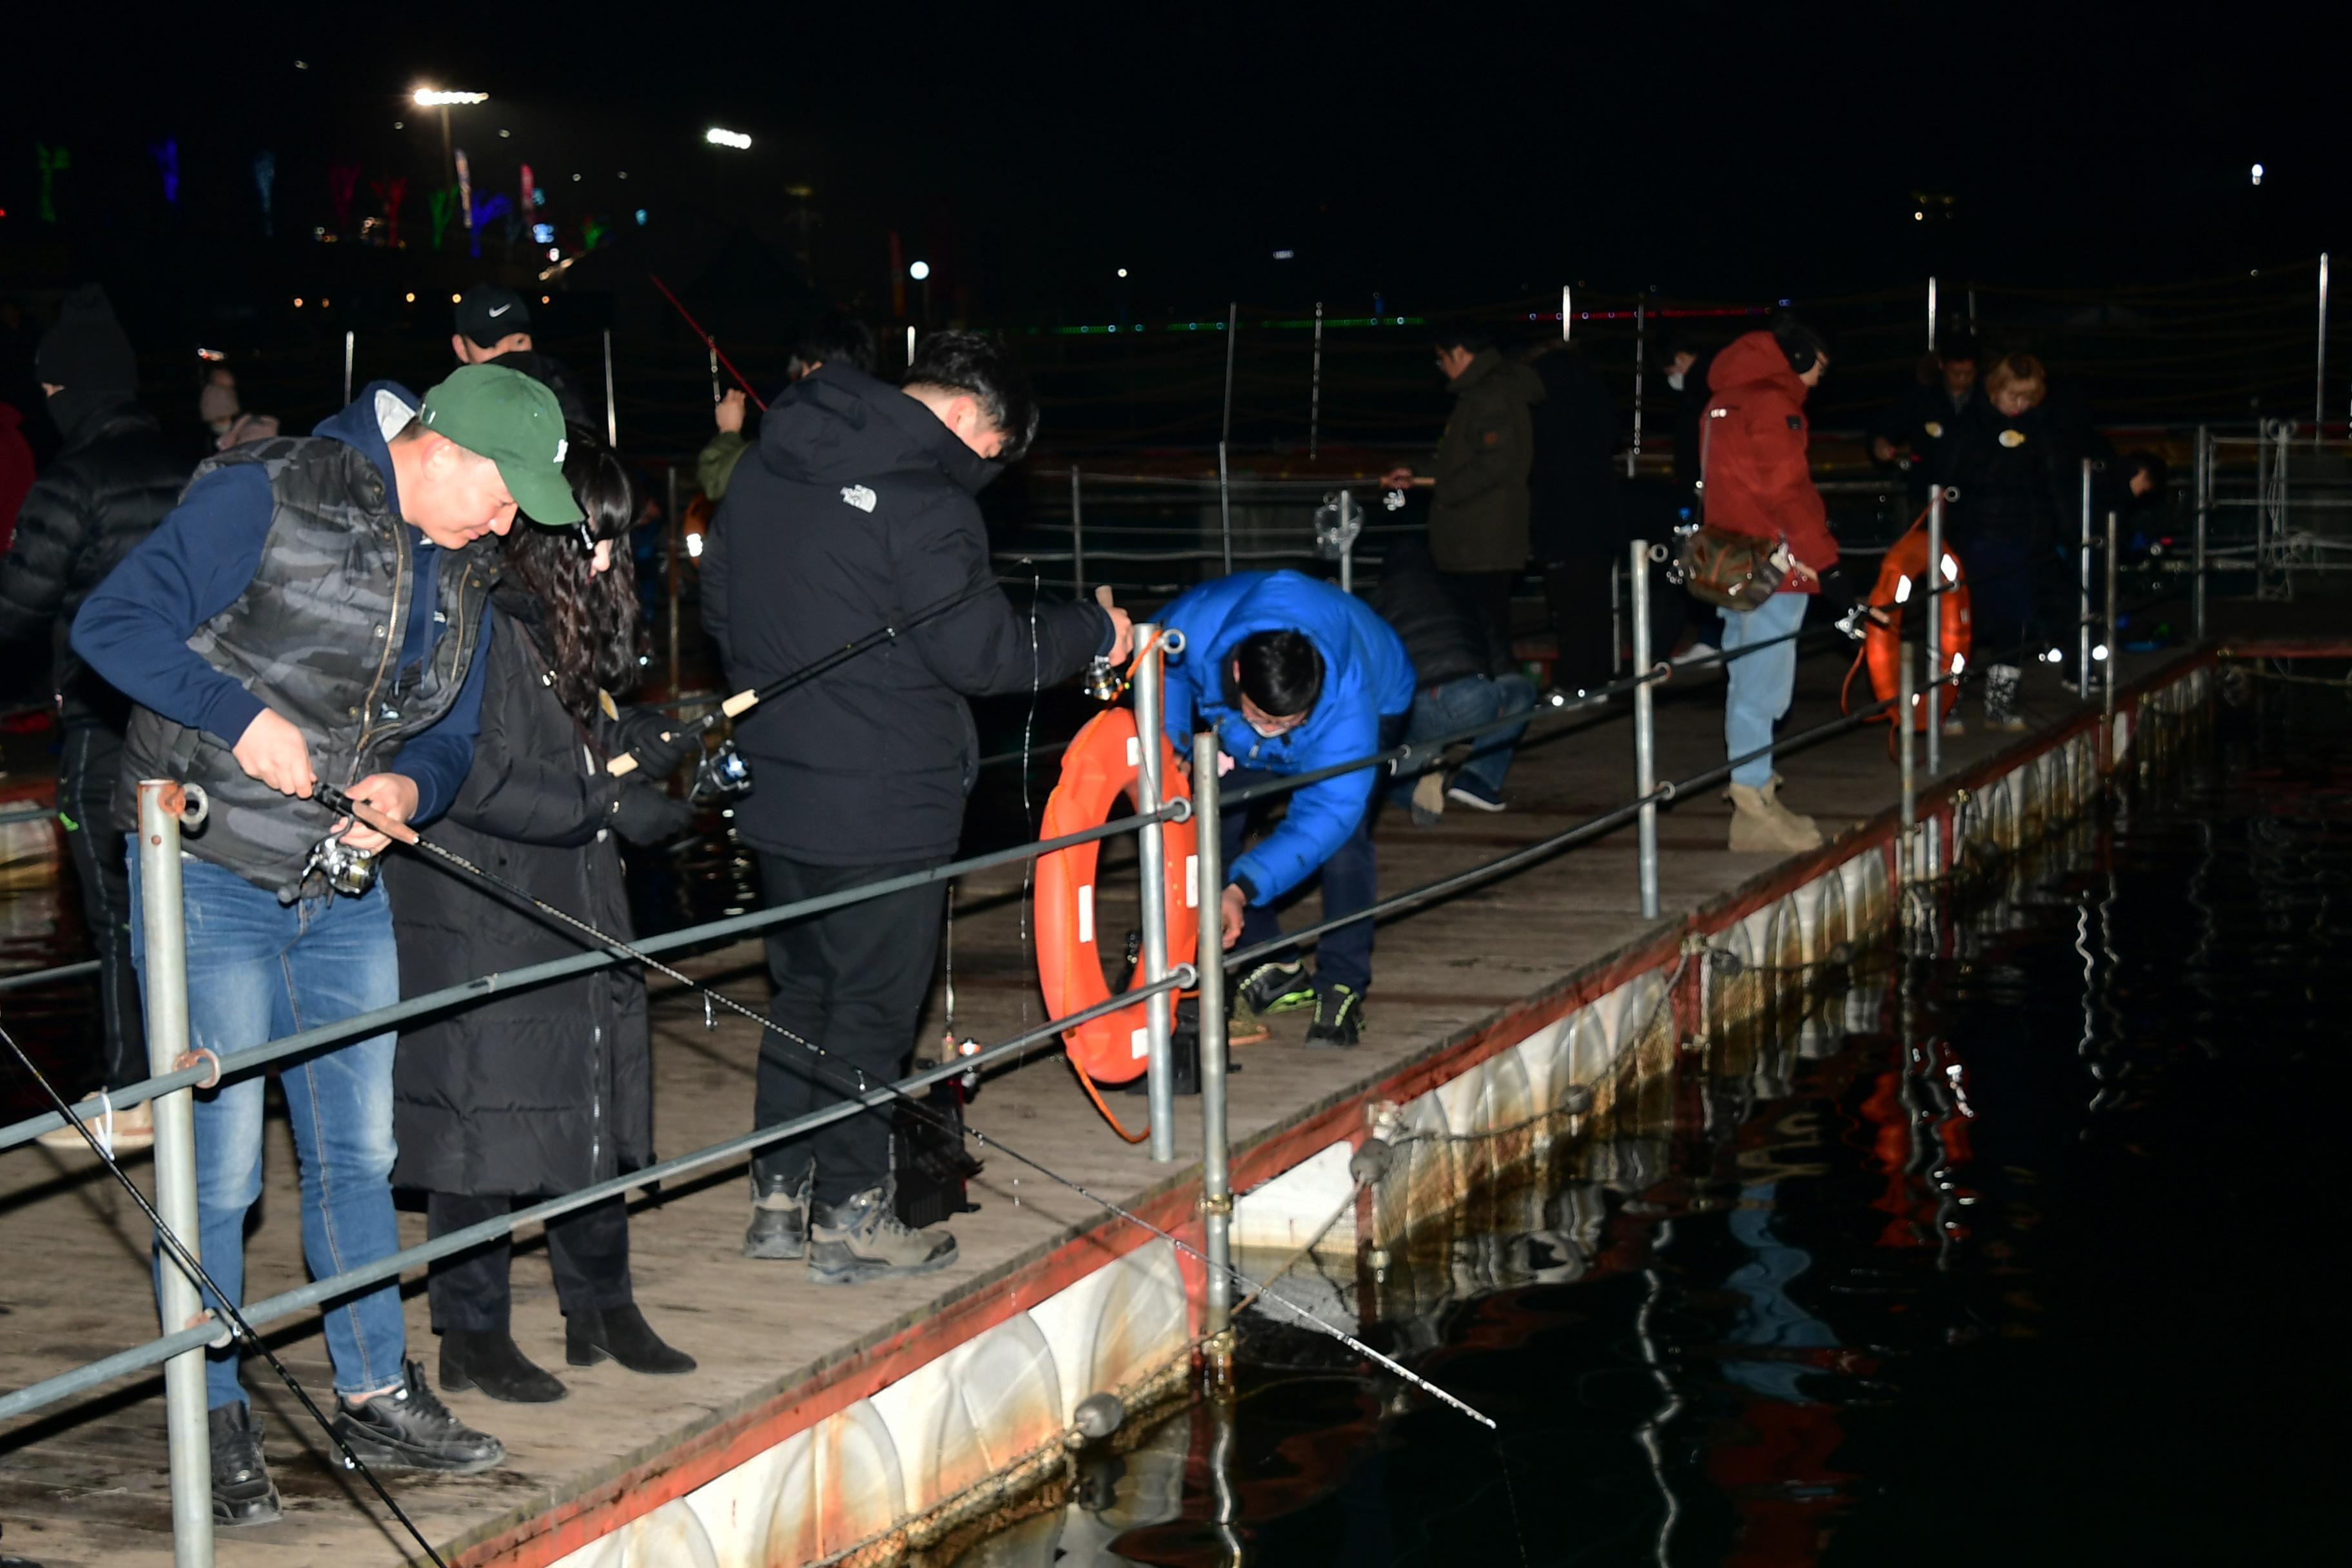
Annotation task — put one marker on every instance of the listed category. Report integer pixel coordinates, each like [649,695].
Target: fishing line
[186,1262]
[335,800]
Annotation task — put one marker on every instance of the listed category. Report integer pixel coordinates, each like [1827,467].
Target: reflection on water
[2013,1251]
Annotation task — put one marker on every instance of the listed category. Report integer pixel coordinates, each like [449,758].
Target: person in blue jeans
[317,608]
[1292,675]
[1463,681]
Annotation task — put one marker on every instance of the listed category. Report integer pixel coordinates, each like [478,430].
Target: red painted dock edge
[1173,1204]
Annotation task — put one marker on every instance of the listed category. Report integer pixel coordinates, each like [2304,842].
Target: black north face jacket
[855,512]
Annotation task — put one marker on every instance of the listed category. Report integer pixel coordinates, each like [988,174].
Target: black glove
[658,741]
[645,816]
[1837,593]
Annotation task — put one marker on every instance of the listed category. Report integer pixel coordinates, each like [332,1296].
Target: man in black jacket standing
[112,483]
[857,511]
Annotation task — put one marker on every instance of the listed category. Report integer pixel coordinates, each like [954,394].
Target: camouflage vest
[316,636]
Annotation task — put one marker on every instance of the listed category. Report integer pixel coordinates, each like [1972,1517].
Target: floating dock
[862,1424]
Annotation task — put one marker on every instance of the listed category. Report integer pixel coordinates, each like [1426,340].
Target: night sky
[1435,154]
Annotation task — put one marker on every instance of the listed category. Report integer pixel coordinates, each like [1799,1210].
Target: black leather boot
[621,1334]
[489,1360]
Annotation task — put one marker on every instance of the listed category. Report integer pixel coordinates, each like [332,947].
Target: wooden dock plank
[86,1483]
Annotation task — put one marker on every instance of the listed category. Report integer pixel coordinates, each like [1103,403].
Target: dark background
[1418,162]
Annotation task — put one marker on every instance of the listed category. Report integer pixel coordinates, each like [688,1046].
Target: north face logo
[858,496]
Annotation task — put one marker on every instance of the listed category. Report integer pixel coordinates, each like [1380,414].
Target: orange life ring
[1905,564]
[1098,768]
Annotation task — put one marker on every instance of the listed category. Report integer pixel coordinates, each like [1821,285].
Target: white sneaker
[1696,651]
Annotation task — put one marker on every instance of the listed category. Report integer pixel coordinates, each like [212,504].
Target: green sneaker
[1268,989]
[1338,1018]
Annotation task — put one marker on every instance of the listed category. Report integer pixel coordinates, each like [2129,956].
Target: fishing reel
[722,772]
[349,871]
[1103,681]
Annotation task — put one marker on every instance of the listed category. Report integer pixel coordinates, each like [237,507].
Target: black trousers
[85,800]
[588,1248]
[1488,596]
[852,982]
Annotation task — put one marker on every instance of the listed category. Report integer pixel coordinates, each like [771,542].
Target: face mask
[1674,380]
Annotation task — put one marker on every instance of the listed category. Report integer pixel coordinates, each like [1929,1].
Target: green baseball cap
[516,423]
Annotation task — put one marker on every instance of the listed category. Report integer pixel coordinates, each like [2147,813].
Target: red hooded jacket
[1752,454]
[15,471]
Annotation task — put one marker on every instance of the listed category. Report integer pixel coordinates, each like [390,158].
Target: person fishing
[858,513]
[313,612]
[541,1091]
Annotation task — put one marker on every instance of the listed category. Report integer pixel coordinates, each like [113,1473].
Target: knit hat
[86,350]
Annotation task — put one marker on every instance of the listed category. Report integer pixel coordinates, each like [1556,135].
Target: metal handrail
[155,1352]
[381,1018]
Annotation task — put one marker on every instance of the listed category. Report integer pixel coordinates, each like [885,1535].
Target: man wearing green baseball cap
[316,608]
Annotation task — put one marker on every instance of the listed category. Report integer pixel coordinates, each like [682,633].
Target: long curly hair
[593,634]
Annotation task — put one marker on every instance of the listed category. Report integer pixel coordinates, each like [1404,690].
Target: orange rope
[1095,1095]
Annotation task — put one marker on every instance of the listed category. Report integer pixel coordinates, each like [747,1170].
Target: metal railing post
[1348,548]
[2115,646]
[677,569]
[1616,626]
[1078,536]
[164,922]
[1645,762]
[1226,507]
[351,351]
[1905,698]
[2083,571]
[2204,515]
[1151,852]
[1217,1174]
[1936,588]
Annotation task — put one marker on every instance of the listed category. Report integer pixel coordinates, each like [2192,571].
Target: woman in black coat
[544,1090]
[2004,522]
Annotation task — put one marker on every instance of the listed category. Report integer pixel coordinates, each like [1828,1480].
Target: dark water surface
[2013,1251]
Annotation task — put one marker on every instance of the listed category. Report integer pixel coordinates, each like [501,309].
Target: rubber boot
[2000,697]
[863,1238]
[1761,825]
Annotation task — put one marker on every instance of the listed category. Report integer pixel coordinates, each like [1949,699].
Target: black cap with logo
[489,311]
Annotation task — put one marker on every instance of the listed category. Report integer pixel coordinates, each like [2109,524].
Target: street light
[739,139]
[440,99]
[919,270]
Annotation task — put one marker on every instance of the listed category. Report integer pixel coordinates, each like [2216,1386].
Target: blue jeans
[1458,704]
[1761,683]
[258,969]
[1350,881]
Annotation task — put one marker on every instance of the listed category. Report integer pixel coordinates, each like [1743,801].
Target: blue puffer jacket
[1367,676]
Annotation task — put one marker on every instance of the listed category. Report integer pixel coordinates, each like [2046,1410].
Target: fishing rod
[744,702]
[335,800]
[170,1241]
[710,342]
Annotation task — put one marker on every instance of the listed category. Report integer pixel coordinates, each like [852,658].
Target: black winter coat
[1573,486]
[855,512]
[541,1091]
[1444,635]
[2007,474]
[110,485]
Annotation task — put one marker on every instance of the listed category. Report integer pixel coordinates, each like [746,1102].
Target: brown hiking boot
[863,1238]
[1762,825]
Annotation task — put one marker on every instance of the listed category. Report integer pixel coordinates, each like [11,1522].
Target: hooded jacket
[1367,676]
[544,1090]
[1752,451]
[110,485]
[1478,521]
[855,512]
